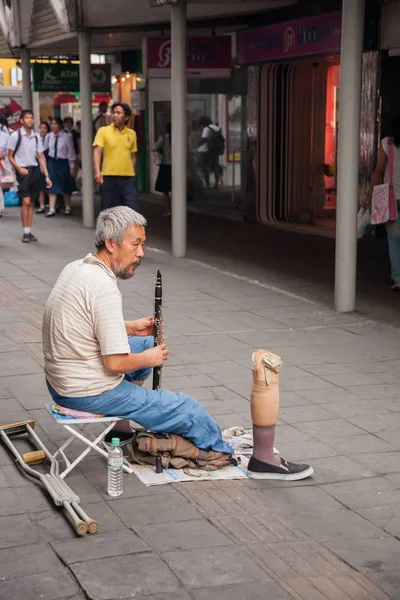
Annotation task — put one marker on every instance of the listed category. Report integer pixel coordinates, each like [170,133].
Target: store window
[331,135]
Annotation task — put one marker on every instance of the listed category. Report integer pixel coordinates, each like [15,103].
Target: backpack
[217,142]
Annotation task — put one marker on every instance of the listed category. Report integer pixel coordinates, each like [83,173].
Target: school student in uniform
[61,160]
[25,153]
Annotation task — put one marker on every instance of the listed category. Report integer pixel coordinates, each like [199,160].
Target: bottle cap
[115,442]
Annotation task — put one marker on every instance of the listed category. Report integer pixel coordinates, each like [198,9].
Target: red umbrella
[64,99]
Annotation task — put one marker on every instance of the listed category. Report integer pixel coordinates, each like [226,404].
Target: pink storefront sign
[292,39]
[206,57]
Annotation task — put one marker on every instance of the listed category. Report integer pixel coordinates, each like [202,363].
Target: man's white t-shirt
[83,321]
[208,132]
[396,167]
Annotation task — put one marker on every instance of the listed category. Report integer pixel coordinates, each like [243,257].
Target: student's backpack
[217,142]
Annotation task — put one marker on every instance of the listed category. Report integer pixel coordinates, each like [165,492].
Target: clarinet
[158,322]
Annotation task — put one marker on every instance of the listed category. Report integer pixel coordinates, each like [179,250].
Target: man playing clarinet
[92,356]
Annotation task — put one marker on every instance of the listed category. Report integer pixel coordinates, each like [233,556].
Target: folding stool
[78,429]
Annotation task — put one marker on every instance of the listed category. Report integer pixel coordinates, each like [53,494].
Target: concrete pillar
[348,154]
[85,84]
[26,78]
[179,127]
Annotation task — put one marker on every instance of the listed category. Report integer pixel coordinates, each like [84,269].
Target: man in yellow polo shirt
[114,159]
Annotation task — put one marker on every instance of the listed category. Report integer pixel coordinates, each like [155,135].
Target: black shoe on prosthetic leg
[287,471]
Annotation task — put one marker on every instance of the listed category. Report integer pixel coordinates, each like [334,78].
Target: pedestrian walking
[62,158]
[212,146]
[114,157]
[101,119]
[164,179]
[4,135]
[44,130]
[382,175]
[25,152]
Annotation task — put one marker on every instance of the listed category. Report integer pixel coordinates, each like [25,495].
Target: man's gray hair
[112,224]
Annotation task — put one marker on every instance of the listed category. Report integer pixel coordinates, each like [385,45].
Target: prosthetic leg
[264,405]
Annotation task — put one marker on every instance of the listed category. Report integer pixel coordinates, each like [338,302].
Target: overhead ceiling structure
[49,27]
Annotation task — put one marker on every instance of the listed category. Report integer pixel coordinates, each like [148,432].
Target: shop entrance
[298,141]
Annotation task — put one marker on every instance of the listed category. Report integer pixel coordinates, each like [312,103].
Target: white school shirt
[4,135]
[396,167]
[65,146]
[26,155]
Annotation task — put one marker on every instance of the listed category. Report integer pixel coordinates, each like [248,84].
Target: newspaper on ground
[241,440]
[149,477]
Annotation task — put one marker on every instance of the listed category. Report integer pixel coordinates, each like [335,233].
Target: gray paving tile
[167,507]
[385,516]
[364,493]
[182,536]
[27,560]
[101,545]
[340,468]
[124,576]
[359,443]
[305,500]
[301,414]
[344,526]
[250,591]
[385,421]
[223,566]
[17,530]
[381,462]
[330,428]
[52,586]
[176,595]
[25,385]
[329,397]
[381,554]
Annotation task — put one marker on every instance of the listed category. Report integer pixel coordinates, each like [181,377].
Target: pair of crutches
[58,490]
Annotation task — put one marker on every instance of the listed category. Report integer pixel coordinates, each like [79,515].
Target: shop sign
[65,78]
[305,37]
[207,57]
[11,109]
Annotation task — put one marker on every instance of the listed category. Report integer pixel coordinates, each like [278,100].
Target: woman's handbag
[384,207]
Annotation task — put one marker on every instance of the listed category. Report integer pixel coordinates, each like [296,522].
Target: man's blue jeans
[158,410]
[393,235]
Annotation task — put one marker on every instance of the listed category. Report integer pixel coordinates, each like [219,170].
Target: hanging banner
[207,57]
[291,39]
[65,78]
[10,108]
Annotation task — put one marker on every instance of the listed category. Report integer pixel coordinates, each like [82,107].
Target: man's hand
[24,172]
[99,178]
[48,182]
[141,327]
[156,356]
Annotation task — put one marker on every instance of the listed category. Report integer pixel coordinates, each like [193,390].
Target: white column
[26,78]
[179,127]
[85,84]
[348,154]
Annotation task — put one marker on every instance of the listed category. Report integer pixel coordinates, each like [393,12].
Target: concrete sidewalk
[332,537]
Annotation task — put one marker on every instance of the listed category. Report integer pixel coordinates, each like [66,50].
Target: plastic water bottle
[115,469]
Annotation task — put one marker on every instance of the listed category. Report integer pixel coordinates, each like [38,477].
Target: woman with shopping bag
[384,196]
[6,172]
